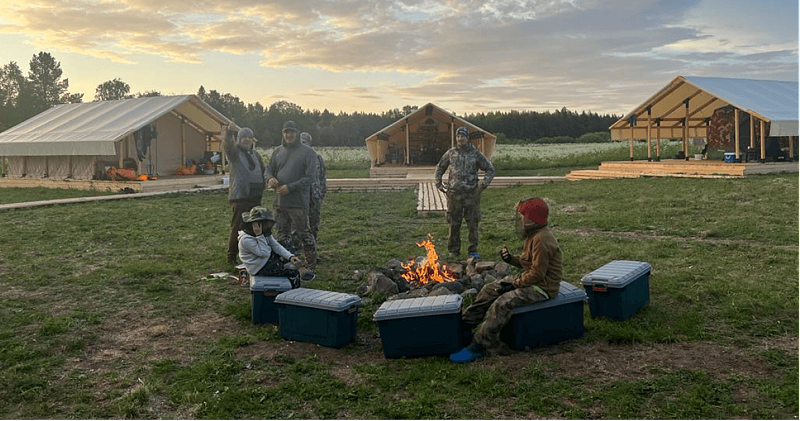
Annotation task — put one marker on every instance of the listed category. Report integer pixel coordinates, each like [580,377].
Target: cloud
[494,53]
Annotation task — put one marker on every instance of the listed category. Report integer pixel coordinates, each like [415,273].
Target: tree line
[22,97]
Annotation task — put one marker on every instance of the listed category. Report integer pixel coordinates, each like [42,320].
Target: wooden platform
[163,184]
[681,168]
[430,199]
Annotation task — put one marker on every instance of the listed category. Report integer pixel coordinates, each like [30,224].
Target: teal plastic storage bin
[422,326]
[263,290]
[557,319]
[618,289]
[324,317]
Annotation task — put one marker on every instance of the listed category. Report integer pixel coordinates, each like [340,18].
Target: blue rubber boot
[469,354]
[474,255]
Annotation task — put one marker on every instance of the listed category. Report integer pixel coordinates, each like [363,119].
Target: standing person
[261,254]
[542,264]
[246,182]
[291,171]
[463,189]
[318,188]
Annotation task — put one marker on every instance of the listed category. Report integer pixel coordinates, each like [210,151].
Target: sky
[466,56]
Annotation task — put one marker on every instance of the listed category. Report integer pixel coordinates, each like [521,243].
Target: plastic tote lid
[567,293]
[314,298]
[269,283]
[417,307]
[617,273]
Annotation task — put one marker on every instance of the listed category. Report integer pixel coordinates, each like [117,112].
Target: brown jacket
[541,260]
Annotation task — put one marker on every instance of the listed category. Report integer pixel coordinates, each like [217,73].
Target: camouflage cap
[463,130]
[258,213]
[305,138]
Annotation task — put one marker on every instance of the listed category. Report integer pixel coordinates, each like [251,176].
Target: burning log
[429,269]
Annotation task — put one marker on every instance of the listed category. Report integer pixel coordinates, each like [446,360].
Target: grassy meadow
[108,310]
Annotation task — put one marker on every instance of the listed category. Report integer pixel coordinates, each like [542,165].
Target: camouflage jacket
[320,185]
[464,163]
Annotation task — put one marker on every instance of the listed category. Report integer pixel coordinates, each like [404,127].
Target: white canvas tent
[686,106]
[422,137]
[78,140]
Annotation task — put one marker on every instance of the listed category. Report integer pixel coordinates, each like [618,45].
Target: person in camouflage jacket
[541,261]
[463,189]
[319,187]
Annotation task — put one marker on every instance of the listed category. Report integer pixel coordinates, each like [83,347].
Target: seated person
[261,254]
[541,279]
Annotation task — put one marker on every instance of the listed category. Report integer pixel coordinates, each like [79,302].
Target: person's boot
[469,354]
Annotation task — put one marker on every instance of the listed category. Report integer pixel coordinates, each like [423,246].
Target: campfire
[427,270]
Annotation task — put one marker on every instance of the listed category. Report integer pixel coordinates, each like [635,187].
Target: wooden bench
[430,199]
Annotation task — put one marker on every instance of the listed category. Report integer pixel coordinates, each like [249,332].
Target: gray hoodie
[293,165]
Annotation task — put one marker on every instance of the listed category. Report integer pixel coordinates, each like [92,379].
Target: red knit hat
[534,209]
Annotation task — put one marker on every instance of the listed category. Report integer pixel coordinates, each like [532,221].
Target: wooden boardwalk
[430,199]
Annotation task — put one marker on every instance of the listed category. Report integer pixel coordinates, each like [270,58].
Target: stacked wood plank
[665,168]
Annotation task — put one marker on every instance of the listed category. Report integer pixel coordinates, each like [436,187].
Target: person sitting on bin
[540,280]
[261,254]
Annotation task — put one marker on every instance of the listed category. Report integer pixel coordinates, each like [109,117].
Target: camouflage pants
[495,310]
[461,206]
[296,219]
[314,218]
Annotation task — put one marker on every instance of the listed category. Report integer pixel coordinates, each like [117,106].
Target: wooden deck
[681,168]
[163,184]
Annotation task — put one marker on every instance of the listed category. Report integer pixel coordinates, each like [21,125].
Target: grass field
[107,311]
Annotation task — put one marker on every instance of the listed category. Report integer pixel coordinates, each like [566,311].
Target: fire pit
[427,275]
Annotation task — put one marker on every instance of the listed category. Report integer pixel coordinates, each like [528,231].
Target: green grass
[105,312]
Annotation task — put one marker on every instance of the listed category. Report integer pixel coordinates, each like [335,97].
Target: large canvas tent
[154,135]
[736,114]
[422,137]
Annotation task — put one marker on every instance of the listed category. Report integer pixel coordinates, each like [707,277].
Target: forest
[45,86]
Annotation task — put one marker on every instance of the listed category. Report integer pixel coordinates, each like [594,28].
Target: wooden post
[649,123]
[686,129]
[121,153]
[658,139]
[183,142]
[752,132]
[632,122]
[736,151]
[5,173]
[223,128]
[452,132]
[791,148]
[761,132]
[408,144]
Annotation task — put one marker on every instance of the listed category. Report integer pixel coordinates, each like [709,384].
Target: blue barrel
[730,157]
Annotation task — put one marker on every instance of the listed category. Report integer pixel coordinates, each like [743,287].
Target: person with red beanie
[541,262]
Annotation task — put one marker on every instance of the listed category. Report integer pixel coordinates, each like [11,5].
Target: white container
[225,180]
[698,156]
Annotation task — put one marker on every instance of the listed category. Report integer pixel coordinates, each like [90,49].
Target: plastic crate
[324,317]
[618,289]
[422,326]
[554,320]
[263,290]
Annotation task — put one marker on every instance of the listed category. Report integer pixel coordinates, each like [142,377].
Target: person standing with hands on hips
[246,186]
[463,189]
[290,172]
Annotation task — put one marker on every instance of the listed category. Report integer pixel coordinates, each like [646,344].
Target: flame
[429,269]
[143,177]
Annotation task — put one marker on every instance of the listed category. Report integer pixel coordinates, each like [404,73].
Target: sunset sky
[466,56]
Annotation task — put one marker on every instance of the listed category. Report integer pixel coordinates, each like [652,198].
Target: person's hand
[257,230]
[481,187]
[272,182]
[282,190]
[441,188]
[505,286]
[295,260]
[506,255]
